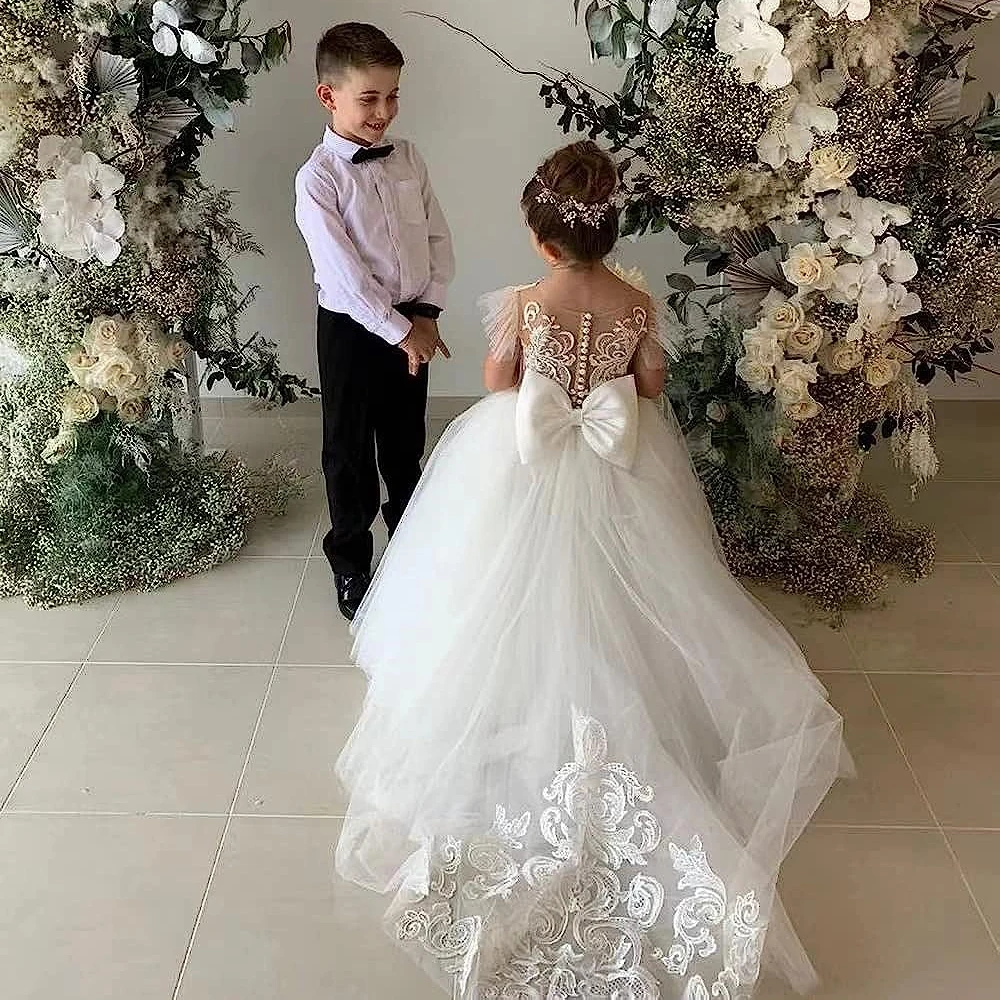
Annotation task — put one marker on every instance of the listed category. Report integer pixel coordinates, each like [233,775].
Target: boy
[383,261]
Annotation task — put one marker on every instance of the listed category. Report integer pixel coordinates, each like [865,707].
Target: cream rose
[762,344]
[882,371]
[109,333]
[758,374]
[810,266]
[803,409]
[832,167]
[783,315]
[804,342]
[81,365]
[119,375]
[79,406]
[132,410]
[841,357]
[792,381]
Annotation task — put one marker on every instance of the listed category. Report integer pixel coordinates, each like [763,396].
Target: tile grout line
[58,708]
[239,784]
[934,816]
[980,561]
[337,817]
[820,672]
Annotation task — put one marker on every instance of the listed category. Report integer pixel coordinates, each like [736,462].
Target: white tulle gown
[585,749]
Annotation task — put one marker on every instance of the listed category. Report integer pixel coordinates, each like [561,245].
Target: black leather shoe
[351,592]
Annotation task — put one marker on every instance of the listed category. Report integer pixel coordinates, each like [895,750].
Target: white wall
[482,130]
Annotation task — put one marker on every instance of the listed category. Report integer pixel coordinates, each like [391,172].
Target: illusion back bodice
[581,350]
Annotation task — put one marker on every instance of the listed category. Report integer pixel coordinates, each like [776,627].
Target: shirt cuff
[395,329]
[435,294]
[426,309]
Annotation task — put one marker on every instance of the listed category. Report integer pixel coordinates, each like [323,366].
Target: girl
[585,749]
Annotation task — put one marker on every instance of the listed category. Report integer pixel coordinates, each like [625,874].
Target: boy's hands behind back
[422,343]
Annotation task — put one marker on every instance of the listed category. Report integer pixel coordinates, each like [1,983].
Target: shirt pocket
[411,202]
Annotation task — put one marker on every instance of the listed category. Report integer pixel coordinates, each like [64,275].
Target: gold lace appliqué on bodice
[579,362]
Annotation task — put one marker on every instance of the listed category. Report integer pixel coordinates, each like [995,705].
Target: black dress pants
[374,422]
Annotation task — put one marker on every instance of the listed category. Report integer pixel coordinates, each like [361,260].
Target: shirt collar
[346,148]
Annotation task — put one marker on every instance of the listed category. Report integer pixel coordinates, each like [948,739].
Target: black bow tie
[371,153]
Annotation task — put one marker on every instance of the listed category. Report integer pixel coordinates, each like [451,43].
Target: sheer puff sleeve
[655,348]
[501,318]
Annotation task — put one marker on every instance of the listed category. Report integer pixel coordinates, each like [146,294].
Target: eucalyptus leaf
[207,10]
[603,49]
[216,109]
[633,40]
[619,43]
[251,58]
[682,282]
[600,22]
[275,45]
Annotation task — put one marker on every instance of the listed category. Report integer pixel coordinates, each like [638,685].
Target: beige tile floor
[168,810]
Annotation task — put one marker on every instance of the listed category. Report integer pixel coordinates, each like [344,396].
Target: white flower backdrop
[115,263]
[812,157]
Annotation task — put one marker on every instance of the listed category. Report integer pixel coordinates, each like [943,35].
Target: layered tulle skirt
[585,748]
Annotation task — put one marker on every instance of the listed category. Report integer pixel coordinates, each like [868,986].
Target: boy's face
[363,103]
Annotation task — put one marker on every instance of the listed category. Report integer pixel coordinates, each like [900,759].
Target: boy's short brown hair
[354,46]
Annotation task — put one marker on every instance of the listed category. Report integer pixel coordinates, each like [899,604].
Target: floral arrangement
[115,268]
[811,156]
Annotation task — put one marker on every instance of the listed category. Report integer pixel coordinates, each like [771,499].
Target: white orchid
[168,35]
[756,46]
[902,303]
[852,223]
[856,10]
[105,179]
[57,153]
[792,134]
[826,88]
[165,22]
[764,64]
[813,116]
[787,141]
[79,218]
[860,283]
[661,15]
[896,263]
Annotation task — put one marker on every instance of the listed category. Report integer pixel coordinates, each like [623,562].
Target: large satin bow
[609,419]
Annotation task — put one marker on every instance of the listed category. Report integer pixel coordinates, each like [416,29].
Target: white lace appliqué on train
[577,921]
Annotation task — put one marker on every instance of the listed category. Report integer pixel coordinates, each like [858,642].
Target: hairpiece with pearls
[571,210]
